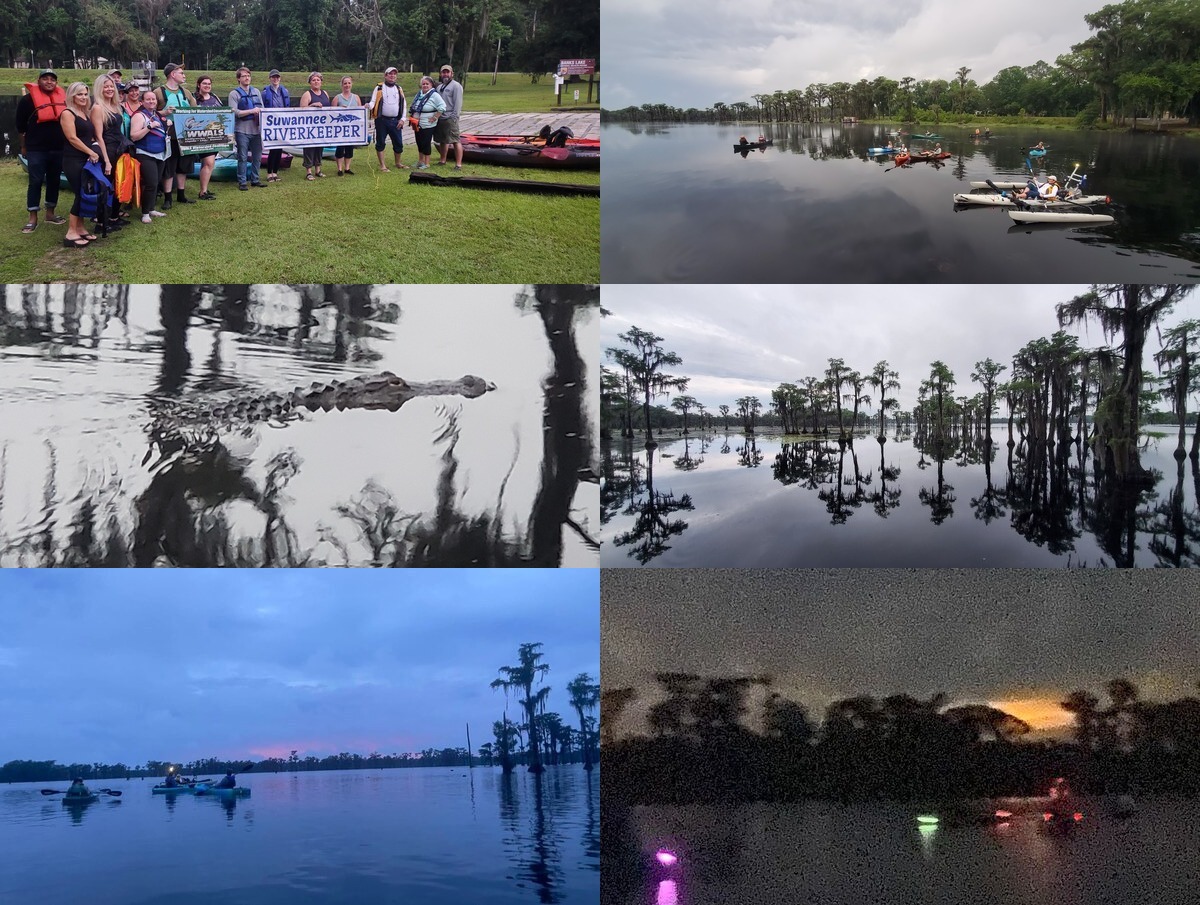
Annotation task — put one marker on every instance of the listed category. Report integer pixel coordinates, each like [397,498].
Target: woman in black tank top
[315,96]
[81,146]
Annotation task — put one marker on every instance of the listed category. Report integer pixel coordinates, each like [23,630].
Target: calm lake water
[827,854]
[99,467]
[681,206]
[414,836]
[722,501]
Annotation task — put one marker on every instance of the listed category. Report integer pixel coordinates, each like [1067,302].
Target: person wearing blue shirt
[247,104]
[275,95]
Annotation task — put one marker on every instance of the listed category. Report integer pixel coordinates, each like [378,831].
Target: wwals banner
[313,127]
[204,130]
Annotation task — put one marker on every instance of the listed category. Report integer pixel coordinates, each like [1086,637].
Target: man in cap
[173,96]
[42,144]
[446,134]
[388,106]
[275,95]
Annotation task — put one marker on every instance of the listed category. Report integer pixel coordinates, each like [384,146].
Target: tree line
[1058,393]
[700,748]
[528,36]
[1143,59]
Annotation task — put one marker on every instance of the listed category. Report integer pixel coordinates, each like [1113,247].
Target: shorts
[447,131]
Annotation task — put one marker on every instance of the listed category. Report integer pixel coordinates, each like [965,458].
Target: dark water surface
[104,462]
[725,501]
[827,854]
[681,206]
[413,835]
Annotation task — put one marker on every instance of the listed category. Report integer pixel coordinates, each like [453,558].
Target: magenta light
[665,858]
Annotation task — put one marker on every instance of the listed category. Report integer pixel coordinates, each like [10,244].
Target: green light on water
[927,819]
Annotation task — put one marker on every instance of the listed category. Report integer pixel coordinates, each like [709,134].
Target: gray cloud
[694,53]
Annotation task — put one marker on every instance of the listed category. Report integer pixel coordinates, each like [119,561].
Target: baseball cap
[47,72]
[169,68]
[391,69]
[272,73]
[447,68]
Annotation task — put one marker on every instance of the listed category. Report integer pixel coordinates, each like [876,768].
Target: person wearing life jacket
[275,95]
[42,144]
[246,101]
[149,134]
[172,96]
[387,106]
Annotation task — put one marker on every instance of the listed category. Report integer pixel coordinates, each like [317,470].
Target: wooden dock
[584,125]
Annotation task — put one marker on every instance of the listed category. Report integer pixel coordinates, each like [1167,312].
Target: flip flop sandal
[28,227]
[56,220]
[310,177]
[75,243]
[89,237]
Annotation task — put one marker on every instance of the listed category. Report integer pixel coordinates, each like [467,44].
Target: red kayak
[941,156]
[530,151]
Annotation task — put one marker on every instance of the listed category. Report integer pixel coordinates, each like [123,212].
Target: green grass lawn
[371,227]
[512,93]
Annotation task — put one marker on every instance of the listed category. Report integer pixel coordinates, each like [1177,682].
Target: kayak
[941,156]
[522,151]
[995,199]
[928,137]
[173,790]
[235,792]
[754,144]
[80,799]
[1059,216]
[883,150]
[1034,152]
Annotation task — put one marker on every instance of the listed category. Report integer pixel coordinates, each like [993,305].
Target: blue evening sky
[109,665]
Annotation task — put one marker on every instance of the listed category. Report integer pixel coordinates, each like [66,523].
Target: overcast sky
[746,340]
[110,665]
[691,53]
[977,635]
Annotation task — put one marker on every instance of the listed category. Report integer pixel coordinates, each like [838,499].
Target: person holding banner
[205,98]
[427,108]
[343,153]
[387,106]
[315,96]
[247,102]
[275,95]
[171,97]
[446,134]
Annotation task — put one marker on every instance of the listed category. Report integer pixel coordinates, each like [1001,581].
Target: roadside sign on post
[576,68]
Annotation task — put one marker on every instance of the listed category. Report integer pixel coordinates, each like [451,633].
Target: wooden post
[470,760]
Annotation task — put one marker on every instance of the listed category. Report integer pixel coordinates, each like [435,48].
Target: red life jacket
[47,108]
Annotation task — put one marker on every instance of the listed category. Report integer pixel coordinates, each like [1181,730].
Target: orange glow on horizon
[1039,713]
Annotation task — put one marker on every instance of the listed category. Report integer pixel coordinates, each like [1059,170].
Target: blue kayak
[882,150]
[235,792]
[1034,152]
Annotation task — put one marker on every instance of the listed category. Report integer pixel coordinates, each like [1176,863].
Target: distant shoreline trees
[701,749]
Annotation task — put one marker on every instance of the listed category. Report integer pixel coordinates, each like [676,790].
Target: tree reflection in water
[1051,493]
[652,527]
[203,498]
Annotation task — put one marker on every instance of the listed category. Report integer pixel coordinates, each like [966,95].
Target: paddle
[116,793]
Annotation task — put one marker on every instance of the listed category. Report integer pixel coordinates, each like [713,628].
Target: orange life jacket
[127,180]
[47,108]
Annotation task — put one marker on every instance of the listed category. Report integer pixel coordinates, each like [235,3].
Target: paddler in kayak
[1061,802]
[1035,192]
[742,141]
[229,782]
[78,789]
[172,781]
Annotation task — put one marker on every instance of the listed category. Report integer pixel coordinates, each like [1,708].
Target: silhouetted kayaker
[78,789]
[229,782]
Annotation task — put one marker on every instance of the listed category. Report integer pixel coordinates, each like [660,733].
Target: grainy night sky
[1020,639]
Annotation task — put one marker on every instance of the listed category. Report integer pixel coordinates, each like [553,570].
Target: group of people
[127,133]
